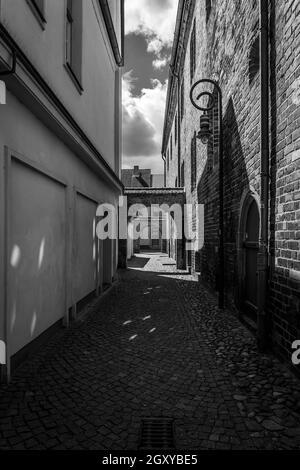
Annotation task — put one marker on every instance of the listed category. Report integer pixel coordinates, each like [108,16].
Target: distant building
[141,178]
[140,185]
[60,135]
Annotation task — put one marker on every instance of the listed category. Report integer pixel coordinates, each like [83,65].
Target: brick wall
[226,50]
[285,175]
[222,46]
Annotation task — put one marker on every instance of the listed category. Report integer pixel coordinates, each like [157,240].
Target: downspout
[179,133]
[165,175]
[178,126]
[263,258]
[182,264]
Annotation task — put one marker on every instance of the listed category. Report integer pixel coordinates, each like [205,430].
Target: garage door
[36,281]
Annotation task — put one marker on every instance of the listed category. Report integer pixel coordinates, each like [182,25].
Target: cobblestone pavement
[155,345]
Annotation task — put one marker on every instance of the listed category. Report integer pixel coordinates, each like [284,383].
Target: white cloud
[143,115]
[159,63]
[143,118]
[155,46]
[154,19]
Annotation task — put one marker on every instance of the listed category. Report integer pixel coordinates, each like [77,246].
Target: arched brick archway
[161,196]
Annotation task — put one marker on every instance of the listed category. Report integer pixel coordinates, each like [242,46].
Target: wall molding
[9,156]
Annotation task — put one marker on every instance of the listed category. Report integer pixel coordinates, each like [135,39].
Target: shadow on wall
[235,184]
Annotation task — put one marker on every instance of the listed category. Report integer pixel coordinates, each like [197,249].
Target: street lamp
[205,131]
[204,135]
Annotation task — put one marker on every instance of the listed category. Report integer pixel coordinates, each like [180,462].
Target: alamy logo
[154,222]
[296,354]
[2,353]
[2,92]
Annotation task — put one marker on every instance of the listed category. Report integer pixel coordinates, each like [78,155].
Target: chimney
[135,169]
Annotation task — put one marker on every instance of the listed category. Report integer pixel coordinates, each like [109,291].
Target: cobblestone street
[155,345]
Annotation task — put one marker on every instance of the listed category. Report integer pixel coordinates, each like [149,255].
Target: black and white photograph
[149,229]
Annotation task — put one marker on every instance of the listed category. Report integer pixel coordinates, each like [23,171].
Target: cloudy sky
[149,28]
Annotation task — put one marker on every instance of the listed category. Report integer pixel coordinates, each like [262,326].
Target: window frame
[182,175]
[38,11]
[118,49]
[69,66]
[69,27]
[208,7]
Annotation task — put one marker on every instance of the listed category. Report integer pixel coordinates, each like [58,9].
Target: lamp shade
[205,131]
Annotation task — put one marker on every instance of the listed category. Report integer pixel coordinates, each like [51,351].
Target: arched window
[208,9]
[254,60]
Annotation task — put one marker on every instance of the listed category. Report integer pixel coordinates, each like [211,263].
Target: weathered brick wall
[222,51]
[285,174]
[223,44]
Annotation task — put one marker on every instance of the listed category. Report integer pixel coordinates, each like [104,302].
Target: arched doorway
[248,248]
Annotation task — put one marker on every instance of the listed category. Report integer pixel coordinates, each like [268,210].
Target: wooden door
[250,245]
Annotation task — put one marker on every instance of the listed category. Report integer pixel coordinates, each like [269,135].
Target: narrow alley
[154,346]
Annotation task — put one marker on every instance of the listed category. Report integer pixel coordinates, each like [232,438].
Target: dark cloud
[138,135]
[138,59]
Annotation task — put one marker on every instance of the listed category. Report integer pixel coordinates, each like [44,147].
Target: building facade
[149,226]
[60,158]
[251,49]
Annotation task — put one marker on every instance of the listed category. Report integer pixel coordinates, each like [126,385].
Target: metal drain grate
[157,433]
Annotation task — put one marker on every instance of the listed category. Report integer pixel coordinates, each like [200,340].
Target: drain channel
[157,433]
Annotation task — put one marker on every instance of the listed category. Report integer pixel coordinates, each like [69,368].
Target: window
[193,162]
[193,52]
[74,40]
[182,174]
[254,60]
[182,100]
[176,182]
[208,9]
[38,8]
[176,128]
